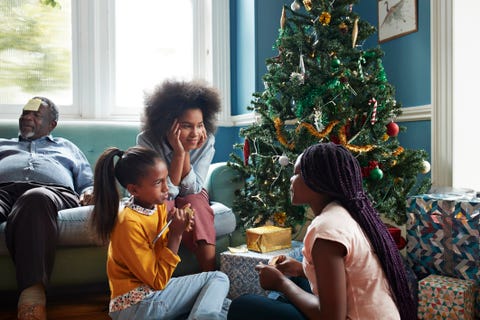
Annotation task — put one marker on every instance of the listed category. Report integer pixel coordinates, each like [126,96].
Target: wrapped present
[240,268]
[269,238]
[443,237]
[443,297]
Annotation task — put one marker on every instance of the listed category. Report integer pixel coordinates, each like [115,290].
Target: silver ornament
[283,160]
[295,6]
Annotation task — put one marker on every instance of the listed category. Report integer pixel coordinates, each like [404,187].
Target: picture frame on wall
[396,18]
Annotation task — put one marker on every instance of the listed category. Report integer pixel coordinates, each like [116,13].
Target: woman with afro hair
[179,123]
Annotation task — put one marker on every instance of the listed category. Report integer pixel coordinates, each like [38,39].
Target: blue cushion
[225,222]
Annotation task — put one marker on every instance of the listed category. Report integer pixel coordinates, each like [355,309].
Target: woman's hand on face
[269,277]
[173,137]
[202,139]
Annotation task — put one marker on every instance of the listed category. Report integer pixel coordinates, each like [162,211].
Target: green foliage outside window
[35,54]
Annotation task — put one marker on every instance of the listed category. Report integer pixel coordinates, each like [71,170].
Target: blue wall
[225,138]
[408,67]
[254,29]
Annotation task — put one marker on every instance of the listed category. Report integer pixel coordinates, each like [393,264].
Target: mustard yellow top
[133,261]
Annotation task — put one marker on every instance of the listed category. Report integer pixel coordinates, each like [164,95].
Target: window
[35,51]
[97,59]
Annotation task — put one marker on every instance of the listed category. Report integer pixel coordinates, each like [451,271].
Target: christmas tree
[324,87]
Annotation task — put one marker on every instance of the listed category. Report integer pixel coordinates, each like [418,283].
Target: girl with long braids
[352,264]
[142,252]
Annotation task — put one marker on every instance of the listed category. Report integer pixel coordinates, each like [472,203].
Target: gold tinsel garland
[278,129]
[342,136]
[314,132]
[398,151]
[320,135]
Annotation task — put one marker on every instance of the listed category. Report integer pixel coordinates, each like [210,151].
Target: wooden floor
[66,303]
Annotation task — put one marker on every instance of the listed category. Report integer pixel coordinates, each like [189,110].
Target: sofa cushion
[75,229]
[224,220]
[222,180]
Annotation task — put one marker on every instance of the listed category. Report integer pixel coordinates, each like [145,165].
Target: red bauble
[392,129]
[246,151]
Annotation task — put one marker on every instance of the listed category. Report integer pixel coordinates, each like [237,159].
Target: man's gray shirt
[46,160]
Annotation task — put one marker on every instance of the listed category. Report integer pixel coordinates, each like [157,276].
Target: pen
[162,231]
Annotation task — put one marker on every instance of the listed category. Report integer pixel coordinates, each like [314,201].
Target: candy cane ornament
[374,112]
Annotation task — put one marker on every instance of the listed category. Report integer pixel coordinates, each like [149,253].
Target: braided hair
[331,169]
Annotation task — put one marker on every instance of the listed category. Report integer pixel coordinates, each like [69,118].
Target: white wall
[466,95]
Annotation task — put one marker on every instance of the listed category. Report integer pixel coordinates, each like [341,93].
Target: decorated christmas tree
[323,86]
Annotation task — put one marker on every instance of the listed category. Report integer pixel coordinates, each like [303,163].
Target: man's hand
[86,198]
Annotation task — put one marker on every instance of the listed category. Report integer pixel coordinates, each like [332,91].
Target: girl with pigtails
[143,243]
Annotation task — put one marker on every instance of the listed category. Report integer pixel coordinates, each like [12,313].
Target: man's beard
[27,135]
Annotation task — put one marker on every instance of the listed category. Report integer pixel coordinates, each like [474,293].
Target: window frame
[93,59]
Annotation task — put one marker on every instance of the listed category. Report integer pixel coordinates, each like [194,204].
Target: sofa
[81,256]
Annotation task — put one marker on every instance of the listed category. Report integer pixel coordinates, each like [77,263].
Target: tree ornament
[335,63]
[392,129]
[293,105]
[283,160]
[343,27]
[376,174]
[307,4]
[347,85]
[325,18]
[295,6]
[297,77]
[373,102]
[317,119]
[301,65]
[426,167]
[360,61]
[246,151]
[354,32]
[283,19]
[372,164]
[279,218]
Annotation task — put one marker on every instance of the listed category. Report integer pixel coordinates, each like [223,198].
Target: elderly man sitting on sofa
[39,175]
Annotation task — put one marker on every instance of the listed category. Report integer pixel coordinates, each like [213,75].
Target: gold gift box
[269,238]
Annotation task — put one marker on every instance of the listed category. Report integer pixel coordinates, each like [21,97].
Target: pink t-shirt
[368,292]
